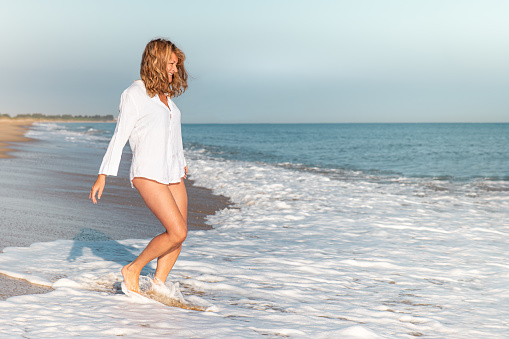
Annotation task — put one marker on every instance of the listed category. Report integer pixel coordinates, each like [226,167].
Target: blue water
[457,152]
[443,151]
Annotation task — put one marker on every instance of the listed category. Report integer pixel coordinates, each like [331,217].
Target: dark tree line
[60,117]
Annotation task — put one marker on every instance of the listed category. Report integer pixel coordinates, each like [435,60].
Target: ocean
[336,231]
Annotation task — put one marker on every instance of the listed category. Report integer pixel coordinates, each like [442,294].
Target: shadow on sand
[112,251]
[105,247]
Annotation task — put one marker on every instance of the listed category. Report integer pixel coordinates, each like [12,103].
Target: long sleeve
[154,133]
[127,118]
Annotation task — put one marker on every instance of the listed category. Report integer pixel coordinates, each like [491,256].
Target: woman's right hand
[98,188]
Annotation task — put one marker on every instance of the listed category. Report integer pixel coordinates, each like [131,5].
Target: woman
[151,121]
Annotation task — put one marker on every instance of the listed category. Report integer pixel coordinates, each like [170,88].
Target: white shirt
[154,135]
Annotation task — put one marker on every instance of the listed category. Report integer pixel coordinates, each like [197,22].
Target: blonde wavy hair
[153,72]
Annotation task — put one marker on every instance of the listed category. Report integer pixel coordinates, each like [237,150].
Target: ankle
[158,281]
[131,268]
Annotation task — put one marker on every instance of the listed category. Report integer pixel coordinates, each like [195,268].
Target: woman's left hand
[186,172]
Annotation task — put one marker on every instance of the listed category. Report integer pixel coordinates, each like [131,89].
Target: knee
[177,236]
[181,235]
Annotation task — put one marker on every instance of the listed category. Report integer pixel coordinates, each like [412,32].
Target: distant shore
[49,119]
[13,130]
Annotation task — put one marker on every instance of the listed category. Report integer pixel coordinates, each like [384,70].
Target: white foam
[299,255]
[58,132]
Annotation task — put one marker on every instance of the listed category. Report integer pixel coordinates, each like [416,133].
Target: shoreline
[202,203]
[21,229]
[12,131]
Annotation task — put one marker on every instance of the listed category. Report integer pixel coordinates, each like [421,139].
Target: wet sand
[11,287]
[201,204]
[44,197]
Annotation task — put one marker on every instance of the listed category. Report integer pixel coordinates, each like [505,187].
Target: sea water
[337,231]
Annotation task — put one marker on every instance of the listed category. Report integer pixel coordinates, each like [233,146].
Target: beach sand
[12,131]
[40,202]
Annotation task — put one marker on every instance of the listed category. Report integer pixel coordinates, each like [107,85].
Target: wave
[98,135]
[423,185]
[70,132]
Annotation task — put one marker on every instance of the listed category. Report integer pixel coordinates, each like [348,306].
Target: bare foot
[131,278]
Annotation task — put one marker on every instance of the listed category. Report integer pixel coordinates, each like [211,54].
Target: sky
[265,61]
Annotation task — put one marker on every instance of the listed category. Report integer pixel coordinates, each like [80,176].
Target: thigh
[179,193]
[161,202]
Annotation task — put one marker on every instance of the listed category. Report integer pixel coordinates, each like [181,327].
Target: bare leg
[161,202]
[166,261]
[165,264]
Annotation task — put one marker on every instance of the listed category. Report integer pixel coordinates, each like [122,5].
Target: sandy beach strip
[12,131]
[40,205]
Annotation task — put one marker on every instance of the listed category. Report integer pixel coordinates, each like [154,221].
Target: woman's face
[171,68]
